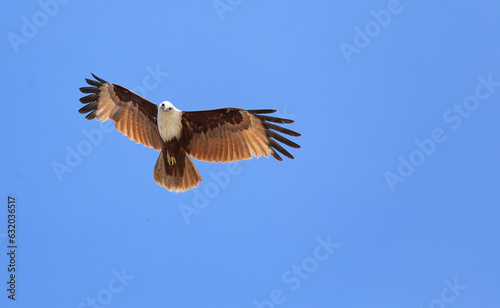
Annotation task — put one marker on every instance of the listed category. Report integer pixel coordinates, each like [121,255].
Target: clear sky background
[392,201]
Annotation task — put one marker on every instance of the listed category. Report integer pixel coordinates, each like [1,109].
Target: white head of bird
[169,121]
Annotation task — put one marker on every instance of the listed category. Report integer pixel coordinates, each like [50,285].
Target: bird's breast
[170,126]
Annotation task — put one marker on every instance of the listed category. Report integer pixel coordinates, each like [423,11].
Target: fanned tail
[176,173]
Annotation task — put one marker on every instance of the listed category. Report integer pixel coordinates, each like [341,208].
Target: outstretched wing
[134,116]
[231,134]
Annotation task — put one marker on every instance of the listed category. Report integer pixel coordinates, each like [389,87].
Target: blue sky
[392,201]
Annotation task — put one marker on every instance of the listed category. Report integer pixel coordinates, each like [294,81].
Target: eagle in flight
[219,135]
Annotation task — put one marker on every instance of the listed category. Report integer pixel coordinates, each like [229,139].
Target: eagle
[219,135]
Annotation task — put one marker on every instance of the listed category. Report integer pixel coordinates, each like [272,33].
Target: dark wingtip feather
[275,155]
[262,111]
[280,149]
[91,115]
[275,119]
[89,90]
[88,108]
[100,79]
[89,98]
[93,82]
[269,127]
[282,139]
[281,129]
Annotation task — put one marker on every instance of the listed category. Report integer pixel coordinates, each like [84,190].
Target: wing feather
[143,132]
[262,111]
[254,140]
[211,146]
[89,98]
[276,155]
[133,115]
[91,115]
[281,129]
[224,145]
[90,90]
[280,149]
[126,125]
[275,120]
[231,134]
[131,125]
[245,150]
[232,147]
[88,108]
[282,139]
[93,82]
[250,144]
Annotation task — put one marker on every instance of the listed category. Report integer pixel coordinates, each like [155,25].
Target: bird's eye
[169,108]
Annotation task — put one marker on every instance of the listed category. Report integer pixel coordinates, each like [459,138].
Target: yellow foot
[171,160]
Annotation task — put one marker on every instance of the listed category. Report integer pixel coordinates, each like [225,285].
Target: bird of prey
[219,135]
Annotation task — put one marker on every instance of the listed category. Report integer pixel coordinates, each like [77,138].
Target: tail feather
[177,176]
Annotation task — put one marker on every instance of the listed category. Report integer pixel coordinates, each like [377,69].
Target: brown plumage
[220,135]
